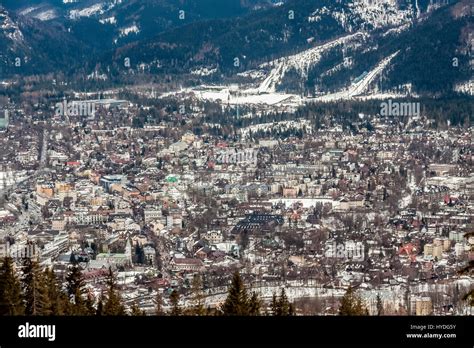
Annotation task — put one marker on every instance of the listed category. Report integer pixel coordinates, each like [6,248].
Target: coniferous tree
[100,307]
[197,297]
[210,311]
[59,302]
[379,305]
[136,311]
[11,302]
[76,290]
[35,292]
[89,304]
[254,304]
[469,297]
[282,306]
[291,310]
[469,269]
[113,304]
[174,300]
[274,304]
[159,305]
[236,302]
[351,304]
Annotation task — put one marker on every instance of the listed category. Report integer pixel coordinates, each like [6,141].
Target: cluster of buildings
[385,212]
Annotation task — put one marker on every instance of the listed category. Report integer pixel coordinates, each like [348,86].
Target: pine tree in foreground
[113,304]
[282,306]
[90,308]
[59,302]
[351,304]
[254,304]
[174,300]
[469,269]
[197,297]
[136,311]
[100,307]
[35,292]
[379,305]
[159,305]
[236,302]
[274,304]
[76,291]
[11,302]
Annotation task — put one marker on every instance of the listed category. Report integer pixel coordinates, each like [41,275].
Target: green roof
[171,179]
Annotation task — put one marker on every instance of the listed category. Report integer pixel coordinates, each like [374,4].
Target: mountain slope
[321,47]
[304,54]
[424,63]
[30,47]
[115,22]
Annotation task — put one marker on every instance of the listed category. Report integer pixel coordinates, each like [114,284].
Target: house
[152,214]
[290,192]
[186,265]
[214,237]
[150,254]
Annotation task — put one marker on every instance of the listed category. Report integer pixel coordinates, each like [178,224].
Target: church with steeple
[115,259]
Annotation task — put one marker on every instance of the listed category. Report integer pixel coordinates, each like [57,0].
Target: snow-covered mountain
[313,48]
[9,28]
[117,20]
[301,62]
[29,46]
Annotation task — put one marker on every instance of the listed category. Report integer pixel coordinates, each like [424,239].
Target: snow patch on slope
[46,15]
[366,14]
[361,86]
[382,13]
[110,20]
[204,71]
[465,87]
[28,10]
[397,30]
[87,12]
[10,28]
[131,29]
[301,62]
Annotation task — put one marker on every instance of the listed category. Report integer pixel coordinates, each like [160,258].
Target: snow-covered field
[232,95]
